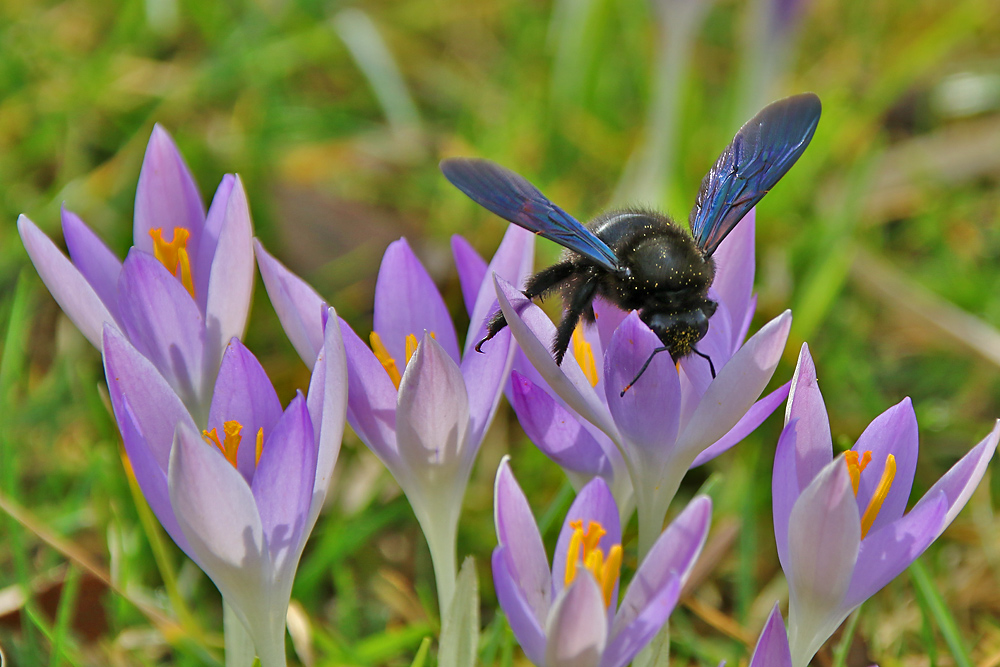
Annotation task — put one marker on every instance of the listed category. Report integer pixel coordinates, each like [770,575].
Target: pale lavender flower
[839,523]
[239,492]
[184,288]
[675,416]
[420,402]
[568,614]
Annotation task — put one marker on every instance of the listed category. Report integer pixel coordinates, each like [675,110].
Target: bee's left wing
[761,153]
[513,198]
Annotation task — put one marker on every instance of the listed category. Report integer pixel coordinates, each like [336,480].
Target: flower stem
[239,644]
[440,525]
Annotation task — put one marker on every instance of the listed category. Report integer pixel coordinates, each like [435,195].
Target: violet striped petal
[524,623]
[298,306]
[626,641]
[893,432]
[772,646]
[577,627]
[593,503]
[100,267]
[471,269]
[753,418]
[371,398]
[805,403]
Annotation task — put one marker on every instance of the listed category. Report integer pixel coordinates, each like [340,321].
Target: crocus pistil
[584,548]
[174,255]
[856,465]
[388,362]
[584,354]
[230,444]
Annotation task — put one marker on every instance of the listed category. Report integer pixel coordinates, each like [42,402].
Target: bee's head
[680,331]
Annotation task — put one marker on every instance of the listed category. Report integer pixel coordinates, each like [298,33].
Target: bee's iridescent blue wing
[762,152]
[513,198]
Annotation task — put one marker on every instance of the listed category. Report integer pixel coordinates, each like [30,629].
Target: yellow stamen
[584,355]
[174,255]
[411,346]
[875,504]
[855,466]
[382,354]
[583,548]
[260,446]
[230,444]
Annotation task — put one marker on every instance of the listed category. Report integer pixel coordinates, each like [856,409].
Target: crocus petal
[298,306]
[485,375]
[754,417]
[229,264]
[371,398]
[886,553]
[556,431]
[283,486]
[432,413]
[471,271]
[627,640]
[244,393]
[68,286]
[593,503]
[512,262]
[523,551]
[524,623]
[531,327]
[893,432]
[203,256]
[737,387]
[577,627]
[608,317]
[99,266]
[327,402]
[648,414]
[155,408]
[785,489]
[772,647]
[166,196]
[805,403]
[408,302]
[962,479]
[734,273]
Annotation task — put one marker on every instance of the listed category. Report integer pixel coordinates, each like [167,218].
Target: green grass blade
[931,600]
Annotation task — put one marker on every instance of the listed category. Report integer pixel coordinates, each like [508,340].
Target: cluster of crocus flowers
[240,504]
[420,402]
[675,416]
[184,288]
[839,522]
[568,614]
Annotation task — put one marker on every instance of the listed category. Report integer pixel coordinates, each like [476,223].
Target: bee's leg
[537,285]
[707,358]
[580,300]
[642,370]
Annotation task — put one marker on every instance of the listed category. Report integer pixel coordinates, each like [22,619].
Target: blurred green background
[884,240]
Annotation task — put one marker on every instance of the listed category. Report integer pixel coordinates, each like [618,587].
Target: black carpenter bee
[640,259]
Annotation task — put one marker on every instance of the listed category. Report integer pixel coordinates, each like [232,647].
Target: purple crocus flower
[420,402]
[568,614]
[239,492]
[675,416]
[839,522]
[184,288]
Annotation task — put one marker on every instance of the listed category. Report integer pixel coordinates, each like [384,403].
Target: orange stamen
[855,466]
[174,255]
[260,446]
[583,548]
[388,363]
[230,444]
[584,354]
[875,504]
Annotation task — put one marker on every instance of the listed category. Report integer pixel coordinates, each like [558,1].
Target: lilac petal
[297,304]
[283,485]
[648,414]
[512,262]
[244,393]
[824,536]
[772,647]
[785,489]
[371,398]
[754,417]
[593,503]
[99,266]
[155,408]
[556,431]
[471,271]
[734,261]
[327,402]
[524,553]
[609,317]
[68,286]
[962,479]
[893,432]
[885,553]
[522,618]
[163,322]
[530,327]
[626,641]
[485,375]
[229,266]
[737,387]
[166,196]
[408,302]
[432,413]
[740,333]
[671,557]
[203,256]
[217,512]
[805,403]
[577,628]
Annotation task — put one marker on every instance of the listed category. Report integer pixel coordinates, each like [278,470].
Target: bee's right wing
[513,198]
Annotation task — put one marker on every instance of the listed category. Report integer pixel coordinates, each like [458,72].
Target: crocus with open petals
[419,401]
[240,492]
[675,416]
[839,522]
[568,614]
[183,290]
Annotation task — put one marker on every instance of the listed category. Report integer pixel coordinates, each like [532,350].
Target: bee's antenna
[644,367]
[707,358]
